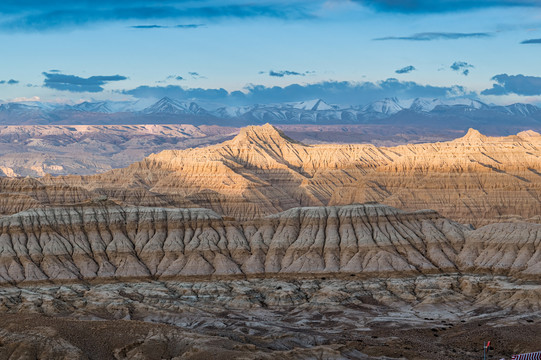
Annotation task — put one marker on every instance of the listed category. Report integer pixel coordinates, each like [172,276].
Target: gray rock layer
[112,242]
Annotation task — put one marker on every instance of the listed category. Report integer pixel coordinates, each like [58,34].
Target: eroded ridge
[475,179]
[101,242]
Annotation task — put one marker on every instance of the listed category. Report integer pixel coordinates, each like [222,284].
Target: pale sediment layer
[36,150]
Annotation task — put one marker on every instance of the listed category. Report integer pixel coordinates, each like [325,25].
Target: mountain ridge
[261,171]
[430,113]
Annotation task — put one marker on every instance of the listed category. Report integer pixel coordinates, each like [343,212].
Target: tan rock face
[106,242]
[25,193]
[320,280]
[475,179]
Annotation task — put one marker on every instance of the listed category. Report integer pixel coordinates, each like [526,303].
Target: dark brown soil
[444,340]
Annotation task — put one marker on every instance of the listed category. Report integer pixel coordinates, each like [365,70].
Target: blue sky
[269,51]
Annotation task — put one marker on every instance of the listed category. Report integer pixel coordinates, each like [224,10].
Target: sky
[243,52]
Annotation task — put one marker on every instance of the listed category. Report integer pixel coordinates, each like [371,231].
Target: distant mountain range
[436,113]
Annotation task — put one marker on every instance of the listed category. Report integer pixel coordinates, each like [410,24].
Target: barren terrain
[37,150]
[474,179]
[263,247]
[359,281]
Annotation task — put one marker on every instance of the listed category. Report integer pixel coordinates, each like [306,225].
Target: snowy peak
[462,104]
[194,108]
[477,105]
[464,112]
[278,112]
[167,105]
[227,112]
[384,107]
[314,105]
[522,109]
[424,105]
[18,107]
[97,107]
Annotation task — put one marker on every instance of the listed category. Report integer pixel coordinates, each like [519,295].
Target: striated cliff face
[474,179]
[355,281]
[25,193]
[106,242]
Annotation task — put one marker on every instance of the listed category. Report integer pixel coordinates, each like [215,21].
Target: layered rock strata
[474,179]
[102,242]
[357,282]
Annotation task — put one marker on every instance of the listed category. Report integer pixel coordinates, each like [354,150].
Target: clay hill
[36,150]
[473,180]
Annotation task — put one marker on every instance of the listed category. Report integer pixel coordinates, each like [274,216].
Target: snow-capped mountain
[97,107]
[421,111]
[167,105]
[19,107]
[308,112]
[522,109]
[227,112]
[313,105]
[462,104]
[424,105]
[383,107]
[428,105]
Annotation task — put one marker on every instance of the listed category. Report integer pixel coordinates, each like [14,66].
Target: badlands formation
[101,281]
[110,242]
[263,248]
[473,180]
[36,150]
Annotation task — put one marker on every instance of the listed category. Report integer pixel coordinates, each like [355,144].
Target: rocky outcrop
[504,249]
[111,242]
[26,193]
[256,276]
[474,180]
